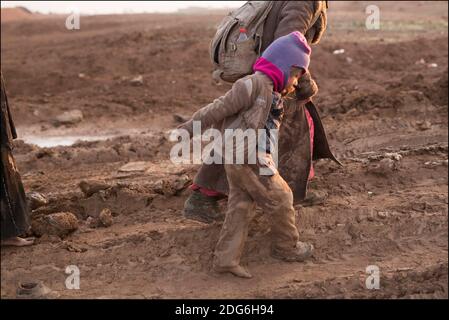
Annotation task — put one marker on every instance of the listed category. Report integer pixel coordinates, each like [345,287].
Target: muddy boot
[237,271]
[200,207]
[35,290]
[300,253]
[313,198]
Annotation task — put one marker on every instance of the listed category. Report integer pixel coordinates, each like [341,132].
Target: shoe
[300,253]
[35,290]
[313,198]
[237,271]
[200,207]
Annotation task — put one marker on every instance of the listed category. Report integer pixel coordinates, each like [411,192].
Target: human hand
[306,89]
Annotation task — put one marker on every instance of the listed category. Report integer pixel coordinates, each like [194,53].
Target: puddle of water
[55,141]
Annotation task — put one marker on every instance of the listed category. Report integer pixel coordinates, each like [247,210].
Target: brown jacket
[241,109]
[246,106]
[7,128]
[307,17]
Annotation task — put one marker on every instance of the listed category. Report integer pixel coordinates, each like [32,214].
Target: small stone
[137,81]
[138,166]
[93,205]
[431,164]
[35,290]
[421,61]
[339,51]
[423,125]
[164,187]
[89,188]
[382,214]
[387,165]
[106,218]
[69,117]
[36,200]
[393,156]
[59,224]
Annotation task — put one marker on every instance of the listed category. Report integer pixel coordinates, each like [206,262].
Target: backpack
[234,59]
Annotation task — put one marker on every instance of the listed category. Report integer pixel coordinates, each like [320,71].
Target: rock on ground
[69,117]
[59,224]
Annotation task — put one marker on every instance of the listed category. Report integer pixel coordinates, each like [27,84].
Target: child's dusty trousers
[246,189]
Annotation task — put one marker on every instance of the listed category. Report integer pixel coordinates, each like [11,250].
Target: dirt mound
[440,89]
[16,14]
[55,224]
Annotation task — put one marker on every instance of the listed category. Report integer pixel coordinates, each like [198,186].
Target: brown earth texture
[88,102]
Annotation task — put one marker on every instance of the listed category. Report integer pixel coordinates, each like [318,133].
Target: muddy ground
[384,103]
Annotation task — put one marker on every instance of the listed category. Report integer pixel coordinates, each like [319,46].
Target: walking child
[256,102]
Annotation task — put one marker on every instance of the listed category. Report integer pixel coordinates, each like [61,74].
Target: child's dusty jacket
[245,106]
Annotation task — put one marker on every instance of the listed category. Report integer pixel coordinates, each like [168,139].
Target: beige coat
[247,105]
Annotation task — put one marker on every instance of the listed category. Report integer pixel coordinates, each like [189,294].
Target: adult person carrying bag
[241,38]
